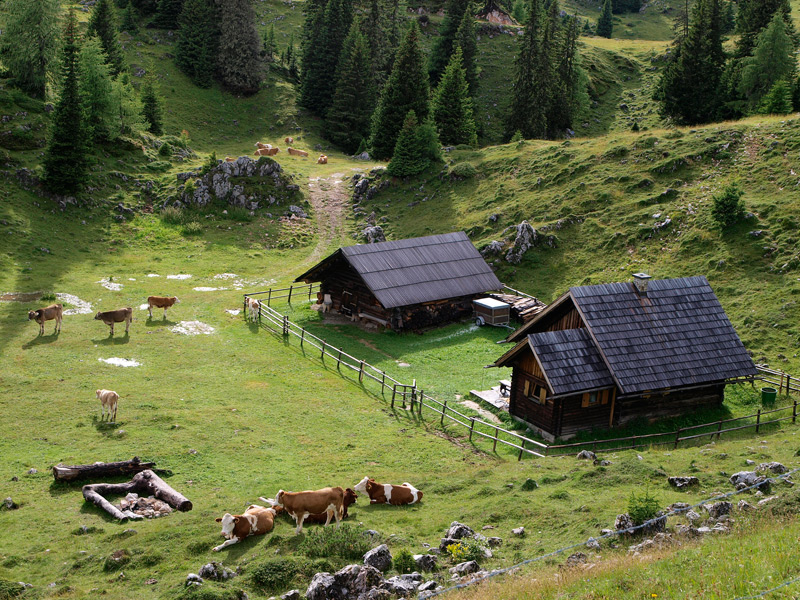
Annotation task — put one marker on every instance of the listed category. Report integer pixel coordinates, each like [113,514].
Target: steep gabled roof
[570,360]
[416,270]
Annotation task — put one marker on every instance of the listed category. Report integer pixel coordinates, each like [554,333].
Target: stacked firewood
[523,308]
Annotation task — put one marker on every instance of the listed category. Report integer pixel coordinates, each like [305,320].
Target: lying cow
[110,317]
[289,140]
[386,493]
[349,498]
[259,145]
[253,308]
[160,302]
[301,504]
[266,152]
[296,152]
[108,401]
[230,159]
[40,315]
[322,160]
[256,520]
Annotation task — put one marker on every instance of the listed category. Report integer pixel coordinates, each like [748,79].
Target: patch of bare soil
[20,296]
[457,442]
[487,415]
[330,199]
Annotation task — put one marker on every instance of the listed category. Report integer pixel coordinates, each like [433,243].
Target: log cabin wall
[663,405]
[571,320]
[429,314]
[345,286]
[584,412]
[565,316]
[526,405]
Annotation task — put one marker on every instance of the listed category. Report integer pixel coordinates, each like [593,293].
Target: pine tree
[375,28]
[29,45]
[568,94]
[406,89]
[291,59]
[167,14]
[772,61]
[238,62]
[451,106]
[269,43]
[126,108]
[408,157]
[468,42]
[778,101]
[689,89]
[605,25]
[95,88]
[680,24]
[66,157]
[198,40]
[145,7]
[443,44]
[729,18]
[754,16]
[348,119]
[519,11]
[129,19]
[312,48]
[152,109]
[103,24]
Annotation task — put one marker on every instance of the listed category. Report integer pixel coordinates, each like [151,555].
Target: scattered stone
[9,504]
[32,471]
[403,585]
[150,581]
[577,559]
[15,478]
[593,544]
[458,531]
[744,505]
[746,479]
[379,558]
[445,542]
[693,517]
[520,531]
[374,233]
[660,540]
[323,587]
[749,462]
[678,507]
[586,455]
[428,586]
[718,509]
[682,482]
[494,542]
[623,522]
[465,568]
[215,571]
[426,562]
[194,579]
[765,500]
[291,595]
[775,467]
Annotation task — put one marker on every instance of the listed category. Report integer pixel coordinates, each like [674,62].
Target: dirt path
[330,199]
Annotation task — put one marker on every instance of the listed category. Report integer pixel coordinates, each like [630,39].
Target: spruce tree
[689,89]
[451,106]
[568,94]
[198,40]
[167,14]
[754,16]
[152,109]
[145,7]
[238,62]
[375,27]
[468,42]
[29,45]
[103,24]
[129,19]
[348,119]
[95,88]
[312,48]
[443,44]
[408,157]
[406,89]
[772,61]
[605,25]
[126,108]
[778,101]
[268,50]
[66,157]
[291,59]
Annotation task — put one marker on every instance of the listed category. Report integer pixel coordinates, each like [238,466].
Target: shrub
[403,561]
[165,150]
[275,574]
[347,541]
[209,164]
[48,297]
[211,591]
[466,549]
[517,137]
[159,165]
[463,170]
[193,228]
[642,507]
[188,189]
[172,215]
[728,208]
[10,589]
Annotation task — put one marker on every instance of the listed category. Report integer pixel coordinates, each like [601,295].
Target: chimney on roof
[640,281]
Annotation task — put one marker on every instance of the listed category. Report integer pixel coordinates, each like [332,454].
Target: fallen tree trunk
[100,469]
[144,483]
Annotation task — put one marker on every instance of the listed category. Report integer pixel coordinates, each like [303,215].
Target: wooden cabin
[604,355]
[407,284]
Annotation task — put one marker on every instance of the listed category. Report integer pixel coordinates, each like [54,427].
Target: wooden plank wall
[538,415]
[575,417]
[665,405]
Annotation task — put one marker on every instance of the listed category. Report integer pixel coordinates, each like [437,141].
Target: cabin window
[535,392]
[595,398]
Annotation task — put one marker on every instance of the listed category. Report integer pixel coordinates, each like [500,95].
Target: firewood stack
[522,308]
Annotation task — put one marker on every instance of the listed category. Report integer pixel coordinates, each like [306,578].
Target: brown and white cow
[260,145]
[256,520]
[313,502]
[253,308]
[160,302]
[386,493]
[322,160]
[266,152]
[108,401]
[296,152]
[230,159]
[110,317]
[349,498]
[40,315]
[288,140]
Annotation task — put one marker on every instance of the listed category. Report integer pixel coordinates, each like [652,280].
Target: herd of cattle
[313,506]
[270,150]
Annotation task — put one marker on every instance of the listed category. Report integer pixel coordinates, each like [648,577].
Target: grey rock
[445,542]
[297,211]
[746,479]
[194,579]
[744,505]
[9,504]
[579,558]
[374,234]
[465,568]
[363,156]
[682,482]
[526,238]
[379,557]
[605,532]
[756,233]
[458,531]
[749,462]
[357,579]
[593,544]
[32,471]
[291,595]
[765,500]
[520,531]
[493,248]
[623,521]
[718,509]
[774,467]
[494,542]
[376,594]
[323,587]
[693,517]
[403,585]
[361,186]
[428,586]
[426,562]
[215,571]
[678,507]
[586,455]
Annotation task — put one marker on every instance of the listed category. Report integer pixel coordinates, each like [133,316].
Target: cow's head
[97,393]
[361,486]
[349,497]
[175,300]
[97,317]
[228,521]
[278,503]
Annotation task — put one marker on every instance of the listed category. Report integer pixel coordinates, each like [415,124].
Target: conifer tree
[269,48]
[167,14]
[468,42]
[375,27]
[772,61]
[198,40]
[126,108]
[408,157]
[451,106]
[238,62]
[406,89]
[66,157]
[520,11]
[311,50]
[152,109]
[443,44]
[29,45]
[103,24]
[291,58]
[129,19]
[689,89]
[605,25]
[145,7]
[348,119]
[568,94]
[754,16]
[95,88]
[778,101]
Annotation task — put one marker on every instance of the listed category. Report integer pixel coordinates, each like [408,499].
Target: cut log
[144,483]
[100,469]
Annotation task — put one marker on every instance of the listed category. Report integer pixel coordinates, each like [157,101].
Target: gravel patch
[120,362]
[192,328]
[79,307]
[181,276]
[209,289]
[110,285]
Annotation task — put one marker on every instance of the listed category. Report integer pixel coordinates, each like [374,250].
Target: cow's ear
[236,519]
[218,520]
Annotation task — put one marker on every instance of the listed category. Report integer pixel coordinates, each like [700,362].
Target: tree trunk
[99,469]
[144,483]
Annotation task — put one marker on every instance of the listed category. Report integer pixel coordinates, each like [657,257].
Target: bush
[275,574]
[10,589]
[728,208]
[159,165]
[347,541]
[209,164]
[466,549]
[642,507]
[517,137]
[403,562]
[211,591]
[165,150]
[48,297]
[188,189]
[193,228]
[172,215]
[463,170]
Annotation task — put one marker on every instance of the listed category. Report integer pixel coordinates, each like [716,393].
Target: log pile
[523,308]
[100,469]
[146,483]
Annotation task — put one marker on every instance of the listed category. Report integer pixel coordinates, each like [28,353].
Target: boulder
[323,587]
[593,544]
[773,467]
[718,509]
[428,586]
[693,517]
[682,482]
[493,248]
[465,568]
[494,542]
[445,542]
[9,504]
[355,580]
[426,562]
[297,212]
[215,571]
[746,479]
[374,234]
[623,522]
[526,238]
[379,557]
[376,594]
[194,579]
[520,531]
[361,186]
[586,455]
[458,531]
[403,585]
[291,595]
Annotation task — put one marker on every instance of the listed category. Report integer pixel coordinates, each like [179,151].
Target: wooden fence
[415,399]
[301,292]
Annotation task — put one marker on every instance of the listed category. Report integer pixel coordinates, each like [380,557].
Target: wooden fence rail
[415,399]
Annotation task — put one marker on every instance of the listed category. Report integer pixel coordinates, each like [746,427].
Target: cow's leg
[150,310]
[165,313]
[112,328]
[41,327]
[127,325]
[114,418]
[226,543]
[299,520]
[58,324]
[328,512]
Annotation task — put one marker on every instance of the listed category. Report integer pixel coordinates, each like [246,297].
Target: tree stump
[144,483]
[100,469]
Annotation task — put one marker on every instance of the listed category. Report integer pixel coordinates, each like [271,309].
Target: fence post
[302,336]
[794,412]
[361,372]
[444,410]
[310,285]
[290,294]
[758,419]
[269,296]
[521,448]
[419,399]
[394,393]
[496,433]
[244,305]
[285,325]
[719,431]
[633,441]
[259,314]
[383,379]
[339,360]
[322,356]
[471,427]
[677,438]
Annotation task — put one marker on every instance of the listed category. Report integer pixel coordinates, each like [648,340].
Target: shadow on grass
[106,427]
[159,322]
[113,341]
[41,339]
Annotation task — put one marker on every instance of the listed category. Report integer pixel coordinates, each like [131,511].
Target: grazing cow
[40,315]
[296,152]
[253,308]
[160,302]
[266,152]
[256,520]
[301,504]
[108,400]
[110,317]
[289,140]
[387,493]
[259,145]
[322,160]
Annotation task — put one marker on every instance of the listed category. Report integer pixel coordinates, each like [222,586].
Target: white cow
[108,400]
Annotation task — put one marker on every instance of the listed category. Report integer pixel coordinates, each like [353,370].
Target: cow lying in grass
[349,498]
[386,493]
[301,504]
[256,520]
[40,315]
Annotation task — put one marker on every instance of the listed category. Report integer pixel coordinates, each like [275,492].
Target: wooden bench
[378,320]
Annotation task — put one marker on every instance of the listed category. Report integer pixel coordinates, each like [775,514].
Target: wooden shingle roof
[570,360]
[416,270]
